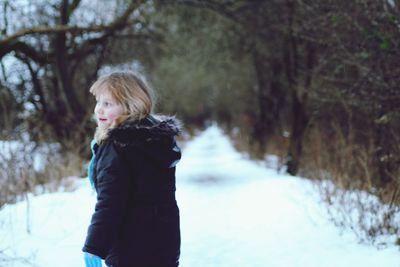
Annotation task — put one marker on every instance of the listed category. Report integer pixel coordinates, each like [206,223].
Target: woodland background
[313,82]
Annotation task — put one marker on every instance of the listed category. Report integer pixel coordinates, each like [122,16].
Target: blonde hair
[128,90]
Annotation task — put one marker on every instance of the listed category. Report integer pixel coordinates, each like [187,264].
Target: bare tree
[62,48]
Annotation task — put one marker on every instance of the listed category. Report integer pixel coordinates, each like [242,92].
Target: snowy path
[236,213]
[233,213]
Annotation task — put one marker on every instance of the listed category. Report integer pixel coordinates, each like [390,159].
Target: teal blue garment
[92,260]
[91,163]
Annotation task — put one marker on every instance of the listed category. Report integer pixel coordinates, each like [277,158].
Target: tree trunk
[300,118]
[269,97]
[385,166]
[299,125]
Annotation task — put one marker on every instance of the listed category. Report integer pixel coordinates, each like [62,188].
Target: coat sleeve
[112,195]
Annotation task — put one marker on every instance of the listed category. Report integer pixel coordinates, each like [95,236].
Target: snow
[234,212]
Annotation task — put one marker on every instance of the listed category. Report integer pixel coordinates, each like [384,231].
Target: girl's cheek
[114,115]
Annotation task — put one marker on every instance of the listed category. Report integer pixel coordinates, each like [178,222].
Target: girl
[136,218]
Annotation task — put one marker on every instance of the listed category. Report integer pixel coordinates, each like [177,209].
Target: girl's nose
[98,109]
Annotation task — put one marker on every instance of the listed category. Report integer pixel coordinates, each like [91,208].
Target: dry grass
[27,167]
[276,145]
[344,172]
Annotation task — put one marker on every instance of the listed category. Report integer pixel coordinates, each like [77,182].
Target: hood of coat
[153,135]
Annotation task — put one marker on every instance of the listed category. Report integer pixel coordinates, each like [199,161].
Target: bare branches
[56,48]
[73,6]
[57,29]
[24,48]
[8,43]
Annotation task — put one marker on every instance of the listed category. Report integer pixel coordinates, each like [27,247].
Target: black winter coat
[136,218]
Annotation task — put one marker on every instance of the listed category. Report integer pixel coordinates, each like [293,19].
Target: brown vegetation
[29,168]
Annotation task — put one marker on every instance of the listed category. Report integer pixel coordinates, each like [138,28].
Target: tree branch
[24,49]
[56,29]
[37,88]
[73,6]
[73,29]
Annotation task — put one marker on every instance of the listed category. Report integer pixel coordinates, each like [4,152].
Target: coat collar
[153,128]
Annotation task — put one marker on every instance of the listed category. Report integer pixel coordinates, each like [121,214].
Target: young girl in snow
[136,217]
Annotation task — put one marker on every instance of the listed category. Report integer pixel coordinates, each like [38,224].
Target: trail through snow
[234,212]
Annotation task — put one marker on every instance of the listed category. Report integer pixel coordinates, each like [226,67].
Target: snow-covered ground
[233,213]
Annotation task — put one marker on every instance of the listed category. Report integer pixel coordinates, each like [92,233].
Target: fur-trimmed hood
[154,135]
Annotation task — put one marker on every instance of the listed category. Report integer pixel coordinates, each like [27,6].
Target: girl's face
[106,110]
